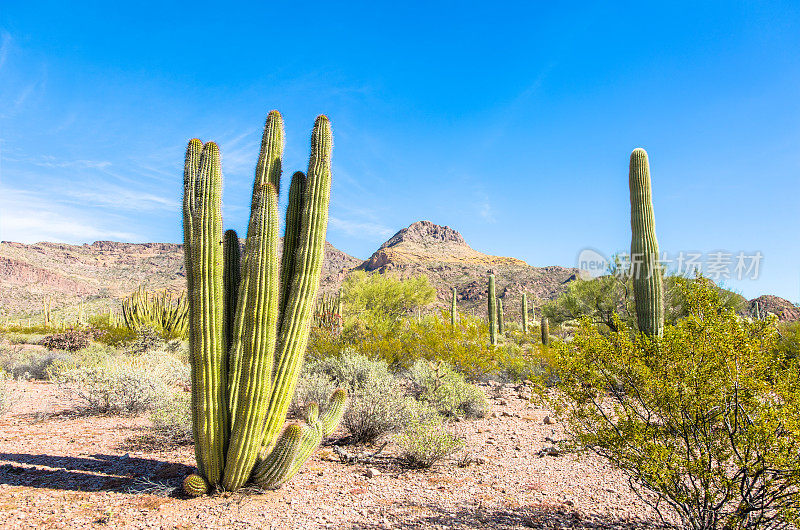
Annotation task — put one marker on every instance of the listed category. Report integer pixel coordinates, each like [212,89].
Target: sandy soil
[59,469]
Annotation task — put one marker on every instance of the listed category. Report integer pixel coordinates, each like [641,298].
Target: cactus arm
[501,327]
[233,275]
[315,431]
[302,297]
[203,232]
[291,233]
[268,171]
[648,288]
[254,345]
[453,310]
[492,312]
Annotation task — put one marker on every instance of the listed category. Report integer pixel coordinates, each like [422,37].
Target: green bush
[29,363]
[706,418]
[120,384]
[377,404]
[423,443]
[312,387]
[446,391]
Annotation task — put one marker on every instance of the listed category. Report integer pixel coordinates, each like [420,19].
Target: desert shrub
[10,392]
[311,387]
[446,391]
[377,402]
[424,443]
[121,384]
[69,340]
[146,339]
[172,417]
[112,334]
[28,363]
[706,418]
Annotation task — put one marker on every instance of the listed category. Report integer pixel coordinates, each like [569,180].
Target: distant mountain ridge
[102,273]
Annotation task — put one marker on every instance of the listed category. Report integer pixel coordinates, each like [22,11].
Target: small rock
[503,402]
[372,472]
[548,420]
[505,414]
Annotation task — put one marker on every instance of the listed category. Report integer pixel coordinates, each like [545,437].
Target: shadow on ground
[88,473]
[535,516]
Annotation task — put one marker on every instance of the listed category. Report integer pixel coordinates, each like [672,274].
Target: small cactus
[501,325]
[453,310]
[545,325]
[194,485]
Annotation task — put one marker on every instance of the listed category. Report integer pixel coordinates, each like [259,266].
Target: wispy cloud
[29,218]
[484,207]
[359,229]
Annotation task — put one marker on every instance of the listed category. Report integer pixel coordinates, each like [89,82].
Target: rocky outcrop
[780,307]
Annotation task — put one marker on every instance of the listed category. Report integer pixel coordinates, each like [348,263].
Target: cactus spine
[648,287]
[524,312]
[453,310]
[492,312]
[545,325]
[501,326]
[261,321]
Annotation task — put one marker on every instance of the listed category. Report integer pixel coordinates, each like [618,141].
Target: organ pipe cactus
[492,311]
[648,288]
[524,312]
[248,337]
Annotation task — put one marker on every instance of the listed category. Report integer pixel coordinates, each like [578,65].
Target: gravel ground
[59,469]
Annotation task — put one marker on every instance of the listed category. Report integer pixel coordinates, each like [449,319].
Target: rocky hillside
[102,273]
[445,257]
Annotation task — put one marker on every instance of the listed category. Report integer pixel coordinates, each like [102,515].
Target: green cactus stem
[501,326]
[524,312]
[203,251]
[453,310]
[545,326]
[492,312]
[648,288]
[233,275]
[194,485]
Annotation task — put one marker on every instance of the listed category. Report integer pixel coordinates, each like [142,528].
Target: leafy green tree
[707,418]
[381,297]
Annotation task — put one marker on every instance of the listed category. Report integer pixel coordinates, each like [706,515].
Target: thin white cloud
[358,229]
[485,208]
[28,218]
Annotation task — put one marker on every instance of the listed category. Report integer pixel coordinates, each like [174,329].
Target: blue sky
[511,122]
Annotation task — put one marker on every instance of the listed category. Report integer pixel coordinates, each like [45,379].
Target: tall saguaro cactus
[492,312]
[453,310]
[648,287]
[249,327]
[524,312]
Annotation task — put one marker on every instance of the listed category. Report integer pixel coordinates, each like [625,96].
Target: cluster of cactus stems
[545,327]
[492,311]
[453,309]
[328,313]
[250,317]
[161,312]
[524,312]
[648,288]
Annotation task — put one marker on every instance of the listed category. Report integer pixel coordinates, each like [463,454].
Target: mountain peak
[425,232]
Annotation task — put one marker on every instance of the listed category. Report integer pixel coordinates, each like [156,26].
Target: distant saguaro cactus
[648,287]
[492,312]
[501,326]
[545,325]
[453,310]
[524,312]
